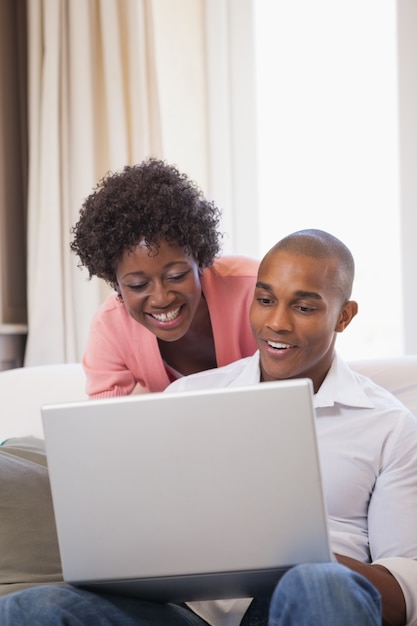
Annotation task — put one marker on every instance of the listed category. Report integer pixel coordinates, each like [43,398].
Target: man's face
[295,314]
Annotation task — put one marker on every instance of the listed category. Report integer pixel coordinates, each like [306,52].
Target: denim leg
[325,594]
[56,605]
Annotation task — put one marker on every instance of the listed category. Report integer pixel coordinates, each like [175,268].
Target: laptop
[187,496]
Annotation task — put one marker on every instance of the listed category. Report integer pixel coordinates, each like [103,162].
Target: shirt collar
[251,372]
[341,386]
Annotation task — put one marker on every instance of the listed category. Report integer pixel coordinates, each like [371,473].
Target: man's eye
[264,300]
[306,309]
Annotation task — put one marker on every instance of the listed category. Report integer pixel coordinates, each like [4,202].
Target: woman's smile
[160,288]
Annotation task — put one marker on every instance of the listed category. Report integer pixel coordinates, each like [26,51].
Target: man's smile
[279,345]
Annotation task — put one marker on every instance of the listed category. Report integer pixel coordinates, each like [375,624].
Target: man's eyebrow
[308,294]
[298,294]
[262,285]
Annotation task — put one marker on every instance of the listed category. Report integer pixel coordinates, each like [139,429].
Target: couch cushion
[397,374]
[28,539]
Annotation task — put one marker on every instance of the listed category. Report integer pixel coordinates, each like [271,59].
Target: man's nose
[280,319]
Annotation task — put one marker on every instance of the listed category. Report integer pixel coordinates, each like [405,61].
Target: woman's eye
[178,277]
[137,286]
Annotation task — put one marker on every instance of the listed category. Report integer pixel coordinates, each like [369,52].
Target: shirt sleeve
[106,369]
[392,515]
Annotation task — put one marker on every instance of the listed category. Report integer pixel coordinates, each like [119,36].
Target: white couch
[23,390]
[397,374]
[28,541]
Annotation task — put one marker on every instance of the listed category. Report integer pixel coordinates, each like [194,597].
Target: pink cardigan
[121,352]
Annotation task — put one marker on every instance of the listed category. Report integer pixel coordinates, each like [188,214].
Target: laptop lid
[187,496]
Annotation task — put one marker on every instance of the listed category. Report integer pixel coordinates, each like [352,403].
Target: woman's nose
[160,296]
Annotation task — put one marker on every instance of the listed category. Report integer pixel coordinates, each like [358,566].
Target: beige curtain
[110,82]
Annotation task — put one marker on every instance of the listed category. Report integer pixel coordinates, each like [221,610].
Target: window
[326,85]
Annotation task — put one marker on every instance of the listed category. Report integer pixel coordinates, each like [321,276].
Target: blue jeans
[307,595]
[328,594]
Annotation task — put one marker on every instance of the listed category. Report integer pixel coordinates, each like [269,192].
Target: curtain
[13,166]
[105,78]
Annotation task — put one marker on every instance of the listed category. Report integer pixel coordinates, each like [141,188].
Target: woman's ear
[348,312]
[116,287]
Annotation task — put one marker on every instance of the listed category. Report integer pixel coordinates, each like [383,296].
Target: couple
[368,449]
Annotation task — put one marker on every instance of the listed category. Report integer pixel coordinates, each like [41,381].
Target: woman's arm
[138,388]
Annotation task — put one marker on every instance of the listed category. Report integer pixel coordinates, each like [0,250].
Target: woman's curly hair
[152,201]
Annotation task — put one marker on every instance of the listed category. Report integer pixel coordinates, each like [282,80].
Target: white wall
[407,83]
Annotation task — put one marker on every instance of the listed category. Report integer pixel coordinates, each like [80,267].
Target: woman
[178,308]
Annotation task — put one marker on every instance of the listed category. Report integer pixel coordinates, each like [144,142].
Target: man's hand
[393,602]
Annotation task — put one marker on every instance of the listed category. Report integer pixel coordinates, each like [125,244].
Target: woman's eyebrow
[166,267]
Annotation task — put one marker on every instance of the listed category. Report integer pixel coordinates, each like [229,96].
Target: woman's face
[160,288]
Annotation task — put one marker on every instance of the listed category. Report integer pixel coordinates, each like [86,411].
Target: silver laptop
[187,496]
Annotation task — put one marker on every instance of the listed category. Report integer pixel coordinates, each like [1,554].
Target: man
[368,442]
[368,449]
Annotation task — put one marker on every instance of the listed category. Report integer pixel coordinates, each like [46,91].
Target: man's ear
[348,312]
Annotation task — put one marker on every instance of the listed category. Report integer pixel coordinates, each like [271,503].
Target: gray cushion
[29,553]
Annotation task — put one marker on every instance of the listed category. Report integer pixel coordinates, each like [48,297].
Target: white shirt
[368,453]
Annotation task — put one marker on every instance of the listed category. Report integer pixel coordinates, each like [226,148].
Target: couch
[23,390]
[28,541]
